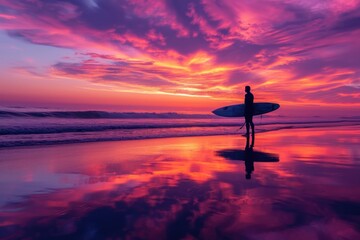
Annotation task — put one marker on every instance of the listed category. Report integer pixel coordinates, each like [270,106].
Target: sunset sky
[180,55]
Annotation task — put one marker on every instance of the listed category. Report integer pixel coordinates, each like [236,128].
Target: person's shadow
[248,155]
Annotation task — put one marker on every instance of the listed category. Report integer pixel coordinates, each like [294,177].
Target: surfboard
[238,109]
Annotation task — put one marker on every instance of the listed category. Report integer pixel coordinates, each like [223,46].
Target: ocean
[36,126]
[298,180]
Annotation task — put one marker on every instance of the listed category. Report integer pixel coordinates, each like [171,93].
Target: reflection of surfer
[249,102]
[248,156]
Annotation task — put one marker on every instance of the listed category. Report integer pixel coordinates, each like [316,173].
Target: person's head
[247,89]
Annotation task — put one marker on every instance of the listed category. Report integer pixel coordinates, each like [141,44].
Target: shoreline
[70,142]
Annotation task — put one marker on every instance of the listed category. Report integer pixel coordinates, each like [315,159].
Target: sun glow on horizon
[180,50]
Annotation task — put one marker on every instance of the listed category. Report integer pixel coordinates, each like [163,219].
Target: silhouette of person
[248,157]
[248,113]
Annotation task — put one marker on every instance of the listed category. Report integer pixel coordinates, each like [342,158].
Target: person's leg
[247,142]
[252,125]
[247,123]
[252,140]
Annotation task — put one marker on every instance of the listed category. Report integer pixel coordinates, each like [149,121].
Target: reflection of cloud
[201,42]
[177,188]
[172,206]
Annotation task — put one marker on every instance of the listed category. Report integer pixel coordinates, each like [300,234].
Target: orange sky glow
[184,56]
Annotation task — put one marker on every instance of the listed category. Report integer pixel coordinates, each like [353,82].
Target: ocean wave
[100,115]
[44,128]
[119,134]
[99,128]
[36,142]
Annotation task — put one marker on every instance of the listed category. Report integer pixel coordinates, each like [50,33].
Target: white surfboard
[238,109]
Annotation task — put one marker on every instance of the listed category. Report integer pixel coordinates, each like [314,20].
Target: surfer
[249,102]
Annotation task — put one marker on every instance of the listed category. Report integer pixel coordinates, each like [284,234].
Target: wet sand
[293,184]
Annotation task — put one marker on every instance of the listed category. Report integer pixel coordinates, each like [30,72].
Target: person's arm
[246,99]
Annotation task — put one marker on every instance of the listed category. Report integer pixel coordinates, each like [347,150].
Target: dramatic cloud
[295,50]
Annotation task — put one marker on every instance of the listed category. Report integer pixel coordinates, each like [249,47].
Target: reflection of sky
[296,53]
[180,187]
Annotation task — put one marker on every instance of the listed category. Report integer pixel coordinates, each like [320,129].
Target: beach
[293,184]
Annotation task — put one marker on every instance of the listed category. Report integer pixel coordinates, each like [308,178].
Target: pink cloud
[301,47]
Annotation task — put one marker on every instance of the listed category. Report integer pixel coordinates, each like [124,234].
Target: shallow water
[30,127]
[304,184]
